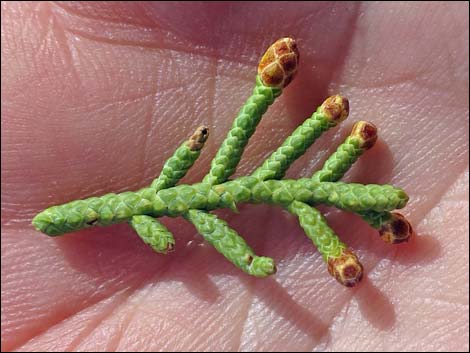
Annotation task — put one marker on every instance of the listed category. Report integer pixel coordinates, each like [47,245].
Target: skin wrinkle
[70,10]
[424,209]
[116,339]
[271,211]
[131,98]
[129,293]
[66,45]
[136,98]
[148,128]
[399,83]
[112,339]
[442,205]
[119,322]
[51,325]
[46,34]
[72,313]
[211,54]
[129,43]
[114,344]
[199,318]
[440,196]
[94,324]
[426,65]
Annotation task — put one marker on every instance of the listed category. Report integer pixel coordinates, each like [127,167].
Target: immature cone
[279,63]
[197,140]
[396,230]
[366,132]
[336,108]
[346,268]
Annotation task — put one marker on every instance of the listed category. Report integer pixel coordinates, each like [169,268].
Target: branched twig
[276,70]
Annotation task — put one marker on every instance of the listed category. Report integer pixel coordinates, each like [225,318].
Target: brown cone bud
[279,63]
[366,132]
[396,230]
[346,268]
[197,140]
[336,108]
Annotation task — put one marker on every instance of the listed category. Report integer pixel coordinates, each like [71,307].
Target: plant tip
[396,230]
[279,63]
[197,140]
[346,268]
[336,108]
[262,266]
[366,132]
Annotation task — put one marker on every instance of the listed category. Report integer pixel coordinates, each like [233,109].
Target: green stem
[226,240]
[175,201]
[297,143]
[228,156]
[339,162]
[362,138]
[151,231]
[179,163]
[223,166]
[343,264]
[317,230]
[283,53]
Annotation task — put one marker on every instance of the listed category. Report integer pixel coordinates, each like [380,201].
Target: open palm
[96,96]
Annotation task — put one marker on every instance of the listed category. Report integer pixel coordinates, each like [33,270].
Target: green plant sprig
[164,197]
[393,227]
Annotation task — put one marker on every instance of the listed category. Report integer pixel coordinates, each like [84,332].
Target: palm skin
[96,96]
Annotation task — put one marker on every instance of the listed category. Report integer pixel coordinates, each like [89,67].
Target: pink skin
[96,96]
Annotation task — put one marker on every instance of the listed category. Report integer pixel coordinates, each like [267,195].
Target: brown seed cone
[197,140]
[336,108]
[346,268]
[279,63]
[365,131]
[397,230]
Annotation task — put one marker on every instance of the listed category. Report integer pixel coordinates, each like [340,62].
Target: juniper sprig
[164,197]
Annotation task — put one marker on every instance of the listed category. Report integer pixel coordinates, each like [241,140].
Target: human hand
[96,96]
